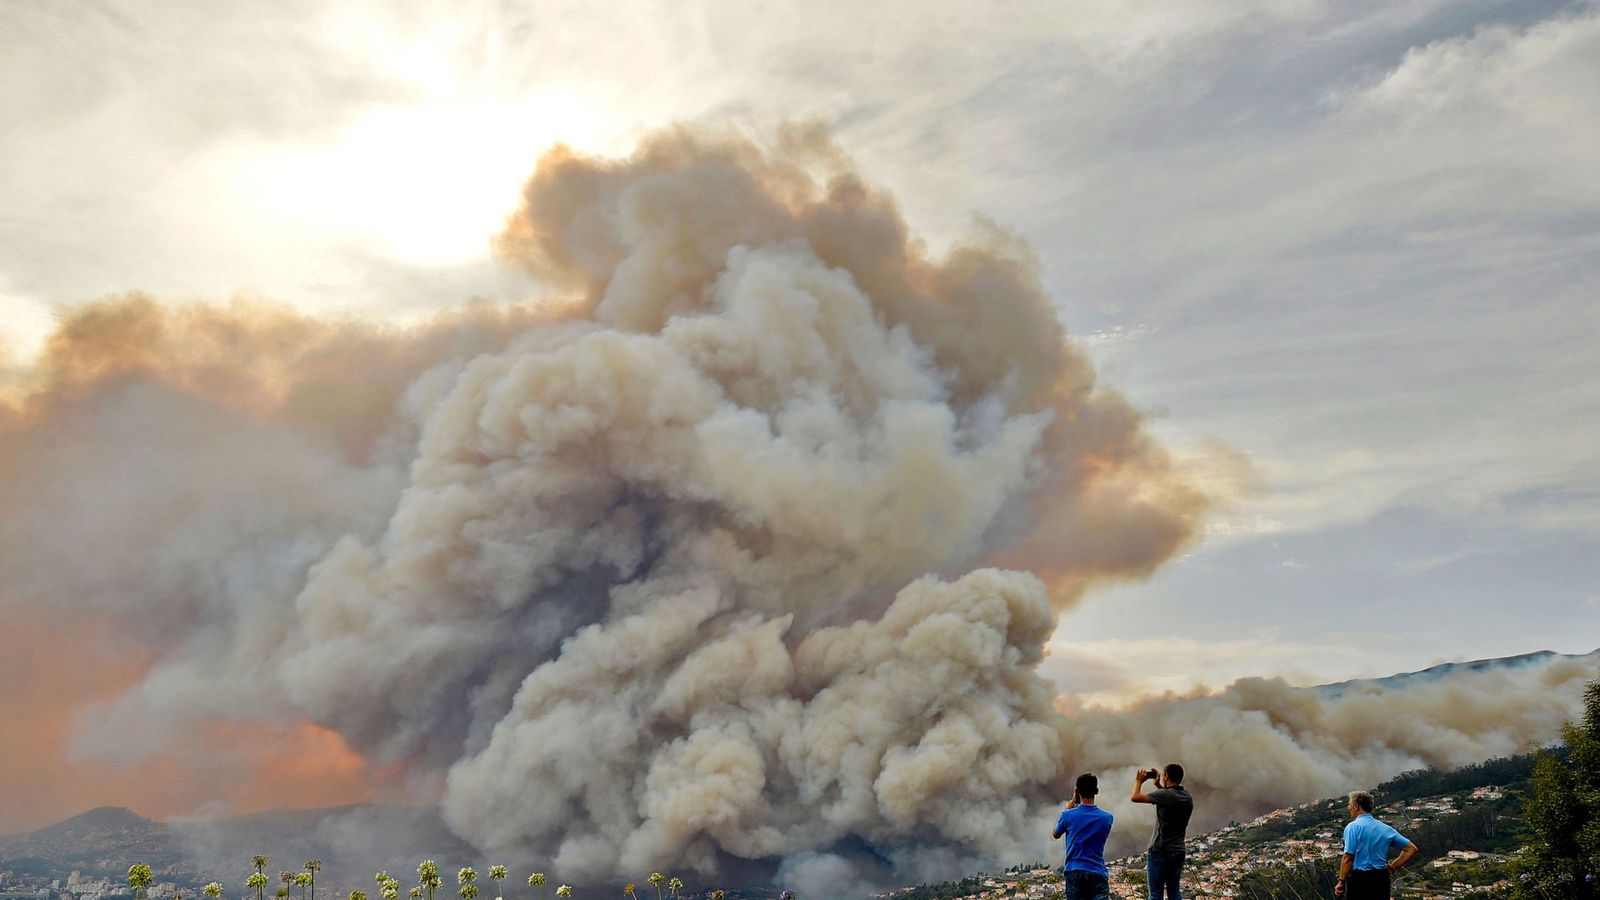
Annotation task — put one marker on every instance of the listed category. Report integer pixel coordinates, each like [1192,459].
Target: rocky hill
[85,842]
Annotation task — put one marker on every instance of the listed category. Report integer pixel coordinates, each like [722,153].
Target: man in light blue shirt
[1365,867]
[1085,827]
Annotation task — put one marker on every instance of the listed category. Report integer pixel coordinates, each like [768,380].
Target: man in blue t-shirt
[1085,826]
[1365,867]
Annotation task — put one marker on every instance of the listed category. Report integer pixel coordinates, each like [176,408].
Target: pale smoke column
[695,534]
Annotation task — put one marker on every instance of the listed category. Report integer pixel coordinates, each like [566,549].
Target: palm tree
[140,878]
[675,885]
[312,867]
[536,881]
[564,891]
[302,880]
[718,894]
[257,880]
[469,891]
[656,878]
[498,874]
[786,895]
[213,890]
[468,879]
[428,876]
[286,879]
[415,893]
[260,862]
[283,893]
[357,895]
[627,890]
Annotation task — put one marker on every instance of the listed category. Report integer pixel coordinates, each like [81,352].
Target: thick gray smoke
[677,574]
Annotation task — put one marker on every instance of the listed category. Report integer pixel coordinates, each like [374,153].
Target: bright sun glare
[426,185]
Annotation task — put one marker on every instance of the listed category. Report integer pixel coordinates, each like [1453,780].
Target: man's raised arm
[1139,778]
[1061,825]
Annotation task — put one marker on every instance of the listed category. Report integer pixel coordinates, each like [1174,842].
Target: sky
[1357,244]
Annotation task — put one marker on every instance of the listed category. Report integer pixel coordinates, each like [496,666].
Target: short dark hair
[1088,785]
[1174,773]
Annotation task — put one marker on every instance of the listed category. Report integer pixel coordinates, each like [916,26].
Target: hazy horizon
[267,810]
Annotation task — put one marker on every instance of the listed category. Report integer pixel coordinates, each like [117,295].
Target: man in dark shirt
[1164,859]
[1085,826]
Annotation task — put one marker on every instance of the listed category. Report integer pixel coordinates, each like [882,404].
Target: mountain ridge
[1439,670]
[100,817]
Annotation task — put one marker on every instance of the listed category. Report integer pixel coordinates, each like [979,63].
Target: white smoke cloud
[696,571]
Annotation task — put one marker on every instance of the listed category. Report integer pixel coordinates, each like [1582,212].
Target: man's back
[1085,829]
[1369,841]
[1173,806]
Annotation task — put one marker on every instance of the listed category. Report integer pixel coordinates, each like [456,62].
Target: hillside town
[77,886]
[171,884]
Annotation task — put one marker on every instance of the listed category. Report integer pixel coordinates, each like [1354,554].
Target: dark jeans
[1087,886]
[1367,884]
[1161,868]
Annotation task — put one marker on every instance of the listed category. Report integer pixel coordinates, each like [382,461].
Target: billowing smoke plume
[1261,744]
[679,573]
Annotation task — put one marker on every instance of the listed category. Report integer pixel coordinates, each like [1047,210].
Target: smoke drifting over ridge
[678,572]
[1261,744]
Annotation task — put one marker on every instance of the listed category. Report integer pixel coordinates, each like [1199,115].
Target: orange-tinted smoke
[51,670]
[339,378]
